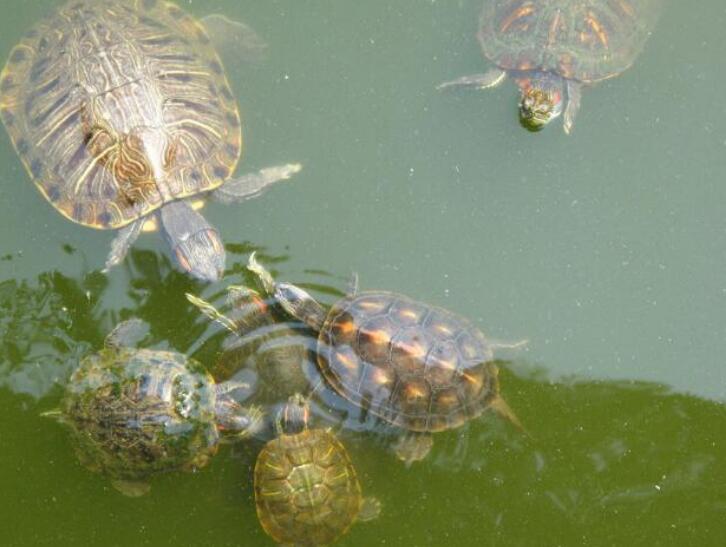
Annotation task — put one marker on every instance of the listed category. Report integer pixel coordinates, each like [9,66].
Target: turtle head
[196,244]
[235,421]
[293,418]
[542,100]
[300,305]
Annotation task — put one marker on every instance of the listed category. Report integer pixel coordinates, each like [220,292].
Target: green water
[605,249]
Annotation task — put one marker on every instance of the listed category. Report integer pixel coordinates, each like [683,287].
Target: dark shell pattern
[306,488]
[586,40]
[137,412]
[81,88]
[416,366]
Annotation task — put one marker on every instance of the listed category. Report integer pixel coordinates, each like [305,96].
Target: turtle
[551,48]
[137,412]
[272,350]
[123,117]
[418,367]
[306,487]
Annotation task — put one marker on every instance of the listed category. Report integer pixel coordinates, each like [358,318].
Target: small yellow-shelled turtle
[121,113]
[137,412]
[416,366]
[552,47]
[306,488]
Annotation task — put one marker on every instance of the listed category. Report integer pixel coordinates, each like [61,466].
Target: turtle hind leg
[503,410]
[132,489]
[370,509]
[413,447]
[253,184]
[489,79]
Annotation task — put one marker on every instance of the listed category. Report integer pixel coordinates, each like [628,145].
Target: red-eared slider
[418,367]
[306,488]
[137,412]
[270,350]
[121,112]
[550,45]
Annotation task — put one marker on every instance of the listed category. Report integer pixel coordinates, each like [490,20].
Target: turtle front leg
[574,94]
[413,447]
[252,185]
[489,79]
[122,243]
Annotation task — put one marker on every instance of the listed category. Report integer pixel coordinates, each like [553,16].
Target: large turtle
[137,412]
[416,366]
[548,46]
[306,488]
[121,112]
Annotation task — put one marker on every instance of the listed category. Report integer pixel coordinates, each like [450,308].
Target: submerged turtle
[121,112]
[550,45]
[137,412]
[306,488]
[271,348]
[416,366]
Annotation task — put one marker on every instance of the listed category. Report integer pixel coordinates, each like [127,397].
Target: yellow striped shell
[92,86]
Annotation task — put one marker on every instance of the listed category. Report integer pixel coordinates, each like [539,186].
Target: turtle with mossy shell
[306,488]
[552,48]
[122,114]
[275,352]
[135,412]
[416,366]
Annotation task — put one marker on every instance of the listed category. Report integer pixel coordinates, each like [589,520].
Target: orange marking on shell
[597,28]
[523,11]
[382,377]
[476,381]
[345,327]
[443,329]
[377,336]
[408,314]
[414,349]
[369,306]
[552,35]
[415,391]
[447,399]
[627,7]
[346,360]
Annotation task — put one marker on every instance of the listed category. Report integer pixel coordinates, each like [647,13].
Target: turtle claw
[265,277]
[132,489]
[370,509]
[413,447]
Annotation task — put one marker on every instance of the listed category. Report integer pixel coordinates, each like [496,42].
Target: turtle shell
[416,366]
[91,87]
[586,40]
[135,412]
[306,488]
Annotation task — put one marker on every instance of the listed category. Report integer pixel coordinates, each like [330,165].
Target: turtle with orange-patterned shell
[415,366]
[551,48]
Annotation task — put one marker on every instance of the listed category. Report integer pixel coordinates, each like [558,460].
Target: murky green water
[606,249]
